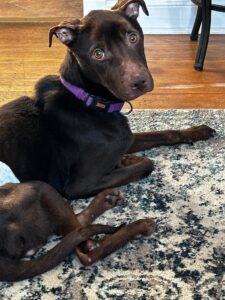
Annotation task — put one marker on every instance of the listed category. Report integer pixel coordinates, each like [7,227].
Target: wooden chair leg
[204,38]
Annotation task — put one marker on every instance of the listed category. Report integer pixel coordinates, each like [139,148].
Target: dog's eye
[98,54]
[133,38]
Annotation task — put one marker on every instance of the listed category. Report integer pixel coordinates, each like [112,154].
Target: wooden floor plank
[19,10]
[25,57]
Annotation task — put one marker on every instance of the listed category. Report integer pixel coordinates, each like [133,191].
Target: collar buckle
[99,104]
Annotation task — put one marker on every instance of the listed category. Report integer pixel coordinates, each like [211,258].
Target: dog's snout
[139,82]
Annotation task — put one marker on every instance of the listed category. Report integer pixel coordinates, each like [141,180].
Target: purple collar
[91,100]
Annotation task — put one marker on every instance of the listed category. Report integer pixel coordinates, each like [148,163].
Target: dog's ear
[130,7]
[66,31]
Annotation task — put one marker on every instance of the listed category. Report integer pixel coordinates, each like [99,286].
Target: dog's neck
[72,73]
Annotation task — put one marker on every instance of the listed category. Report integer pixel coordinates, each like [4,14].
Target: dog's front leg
[102,202]
[117,240]
[148,140]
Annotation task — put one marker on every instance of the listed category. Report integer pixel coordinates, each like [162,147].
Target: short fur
[76,149]
[31,212]
[80,151]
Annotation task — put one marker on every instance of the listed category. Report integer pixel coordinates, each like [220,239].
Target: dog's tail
[15,270]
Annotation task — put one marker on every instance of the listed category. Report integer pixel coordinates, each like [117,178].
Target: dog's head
[108,46]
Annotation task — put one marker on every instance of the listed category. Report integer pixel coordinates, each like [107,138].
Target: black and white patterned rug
[185,258]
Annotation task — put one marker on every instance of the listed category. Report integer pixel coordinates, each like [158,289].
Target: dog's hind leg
[131,168]
[117,240]
[148,140]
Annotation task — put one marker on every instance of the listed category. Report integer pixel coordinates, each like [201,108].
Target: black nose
[139,83]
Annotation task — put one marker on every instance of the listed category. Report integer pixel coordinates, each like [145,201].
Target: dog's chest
[106,137]
[87,143]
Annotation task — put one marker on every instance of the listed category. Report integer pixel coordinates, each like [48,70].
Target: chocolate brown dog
[71,134]
[31,212]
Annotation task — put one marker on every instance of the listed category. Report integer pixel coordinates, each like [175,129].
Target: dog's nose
[139,82]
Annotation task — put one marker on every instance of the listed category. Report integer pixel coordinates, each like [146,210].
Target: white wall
[166,16]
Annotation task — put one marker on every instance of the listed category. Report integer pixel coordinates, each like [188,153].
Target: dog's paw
[114,197]
[128,160]
[88,246]
[108,199]
[204,132]
[199,133]
[147,226]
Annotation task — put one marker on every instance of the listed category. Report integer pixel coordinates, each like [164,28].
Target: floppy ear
[66,32]
[130,7]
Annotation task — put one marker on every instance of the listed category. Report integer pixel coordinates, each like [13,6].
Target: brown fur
[31,212]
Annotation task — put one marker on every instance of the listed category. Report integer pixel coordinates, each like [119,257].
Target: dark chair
[203,17]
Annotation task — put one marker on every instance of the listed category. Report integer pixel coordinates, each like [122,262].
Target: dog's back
[21,138]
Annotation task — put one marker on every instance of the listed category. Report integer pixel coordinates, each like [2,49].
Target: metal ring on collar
[131,109]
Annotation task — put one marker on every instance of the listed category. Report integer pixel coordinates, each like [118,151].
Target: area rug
[185,258]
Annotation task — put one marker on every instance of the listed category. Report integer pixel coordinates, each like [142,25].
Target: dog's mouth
[129,93]
[135,93]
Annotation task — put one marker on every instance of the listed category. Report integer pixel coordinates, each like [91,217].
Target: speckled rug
[185,258]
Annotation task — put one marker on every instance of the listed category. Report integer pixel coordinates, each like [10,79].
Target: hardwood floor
[36,11]
[25,57]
